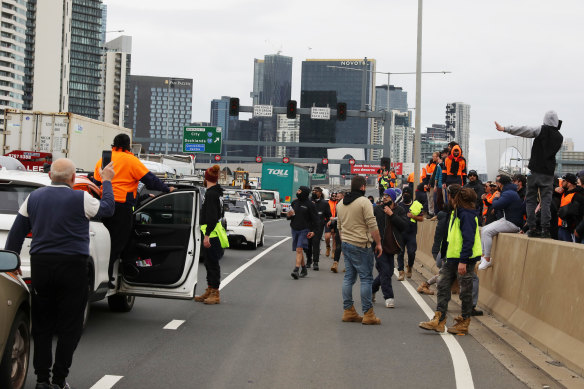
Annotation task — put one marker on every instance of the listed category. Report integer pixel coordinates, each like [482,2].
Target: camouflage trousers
[448,274]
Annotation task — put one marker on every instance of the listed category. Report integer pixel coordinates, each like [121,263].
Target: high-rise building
[258,80]
[116,79]
[220,117]
[458,123]
[326,82]
[436,138]
[398,101]
[288,131]
[158,109]
[12,53]
[402,137]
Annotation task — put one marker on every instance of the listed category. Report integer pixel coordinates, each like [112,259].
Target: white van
[271,200]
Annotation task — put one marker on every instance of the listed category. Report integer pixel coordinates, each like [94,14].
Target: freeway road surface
[271,331]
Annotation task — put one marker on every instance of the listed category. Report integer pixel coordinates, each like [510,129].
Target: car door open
[162,257]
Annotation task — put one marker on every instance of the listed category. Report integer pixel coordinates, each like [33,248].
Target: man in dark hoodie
[303,222]
[475,184]
[211,227]
[508,202]
[542,163]
[571,208]
[323,213]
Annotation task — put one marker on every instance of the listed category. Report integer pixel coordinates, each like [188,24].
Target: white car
[160,260]
[244,224]
[271,200]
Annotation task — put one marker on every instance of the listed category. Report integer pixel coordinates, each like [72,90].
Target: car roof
[25,176]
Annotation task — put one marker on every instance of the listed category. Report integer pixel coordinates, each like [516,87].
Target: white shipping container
[63,134]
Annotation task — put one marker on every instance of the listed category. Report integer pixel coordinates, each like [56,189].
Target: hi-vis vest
[565,201]
[455,239]
[218,232]
[415,209]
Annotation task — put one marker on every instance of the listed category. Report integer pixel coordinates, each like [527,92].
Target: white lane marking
[173,325]
[274,221]
[276,236]
[462,373]
[107,382]
[240,269]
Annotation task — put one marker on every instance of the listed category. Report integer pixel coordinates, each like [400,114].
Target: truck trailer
[285,178]
[36,138]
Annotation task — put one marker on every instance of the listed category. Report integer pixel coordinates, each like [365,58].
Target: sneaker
[315,266]
[485,264]
[308,265]
[390,303]
[295,274]
[303,272]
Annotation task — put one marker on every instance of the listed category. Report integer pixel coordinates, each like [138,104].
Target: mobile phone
[106,158]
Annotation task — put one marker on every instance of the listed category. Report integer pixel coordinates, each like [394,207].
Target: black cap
[473,173]
[571,178]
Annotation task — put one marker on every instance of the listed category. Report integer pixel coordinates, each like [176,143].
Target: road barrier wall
[535,286]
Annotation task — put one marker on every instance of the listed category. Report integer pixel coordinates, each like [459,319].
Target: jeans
[544,185]
[410,246]
[448,274]
[384,265]
[488,232]
[358,261]
[565,235]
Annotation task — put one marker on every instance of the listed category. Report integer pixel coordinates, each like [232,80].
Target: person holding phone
[303,223]
[130,171]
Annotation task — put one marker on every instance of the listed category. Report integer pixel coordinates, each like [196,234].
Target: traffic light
[234,106]
[342,111]
[291,109]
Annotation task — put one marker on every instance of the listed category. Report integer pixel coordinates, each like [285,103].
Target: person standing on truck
[303,222]
[58,217]
[129,173]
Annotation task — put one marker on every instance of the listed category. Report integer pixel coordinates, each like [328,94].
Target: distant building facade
[288,131]
[402,137]
[116,79]
[458,123]
[436,138]
[398,101]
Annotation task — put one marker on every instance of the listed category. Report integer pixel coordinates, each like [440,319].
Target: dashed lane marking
[462,373]
[276,236]
[173,325]
[107,382]
[240,269]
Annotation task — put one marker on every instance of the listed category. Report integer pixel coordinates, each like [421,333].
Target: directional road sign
[205,140]
[262,110]
[320,113]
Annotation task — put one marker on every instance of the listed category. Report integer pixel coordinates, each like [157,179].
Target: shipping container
[285,178]
[37,137]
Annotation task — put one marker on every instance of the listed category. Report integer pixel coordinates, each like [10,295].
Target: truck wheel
[118,303]
[14,364]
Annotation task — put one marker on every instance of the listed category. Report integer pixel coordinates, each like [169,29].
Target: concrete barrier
[535,286]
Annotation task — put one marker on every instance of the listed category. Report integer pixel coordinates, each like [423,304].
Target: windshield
[234,206]
[12,197]
[267,195]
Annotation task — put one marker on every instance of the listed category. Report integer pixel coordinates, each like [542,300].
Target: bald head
[63,172]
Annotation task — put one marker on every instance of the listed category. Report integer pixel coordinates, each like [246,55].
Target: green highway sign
[316,176]
[206,140]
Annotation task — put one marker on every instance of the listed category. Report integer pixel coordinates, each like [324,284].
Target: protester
[323,213]
[58,217]
[422,198]
[371,199]
[475,184]
[130,171]
[487,199]
[384,181]
[391,221]
[542,163]
[413,210]
[430,181]
[571,208]
[491,214]
[464,249]
[332,202]
[521,182]
[455,168]
[303,222]
[215,236]
[358,228]
[507,201]
[336,236]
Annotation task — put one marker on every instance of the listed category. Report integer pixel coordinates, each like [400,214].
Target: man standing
[336,235]
[454,171]
[413,210]
[214,233]
[571,208]
[303,222]
[384,182]
[59,219]
[429,182]
[542,164]
[358,228]
[475,184]
[323,213]
[332,202]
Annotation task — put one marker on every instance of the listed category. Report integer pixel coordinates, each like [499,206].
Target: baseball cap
[571,178]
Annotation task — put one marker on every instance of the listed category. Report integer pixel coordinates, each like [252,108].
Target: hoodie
[548,141]
[211,210]
[455,168]
[355,220]
[511,204]
[305,217]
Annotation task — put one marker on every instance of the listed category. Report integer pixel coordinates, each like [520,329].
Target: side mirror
[9,260]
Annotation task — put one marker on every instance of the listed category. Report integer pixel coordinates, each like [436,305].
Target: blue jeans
[565,235]
[384,265]
[358,261]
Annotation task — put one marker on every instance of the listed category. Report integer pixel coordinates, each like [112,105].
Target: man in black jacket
[303,222]
[391,220]
[542,163]
[323,213]
[475,184]
[571,208]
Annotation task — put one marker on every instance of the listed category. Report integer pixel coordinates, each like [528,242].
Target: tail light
[274,203]
[246,223]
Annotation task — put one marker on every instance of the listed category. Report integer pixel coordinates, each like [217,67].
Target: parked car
[244,224]
[160,260]
[271,200]
[14,323]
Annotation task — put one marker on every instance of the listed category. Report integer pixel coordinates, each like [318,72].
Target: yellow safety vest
[455,239]
[218,232]
[415,209]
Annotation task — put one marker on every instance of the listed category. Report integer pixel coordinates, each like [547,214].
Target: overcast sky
[511,60]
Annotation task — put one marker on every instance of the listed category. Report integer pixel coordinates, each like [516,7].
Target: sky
[511,60]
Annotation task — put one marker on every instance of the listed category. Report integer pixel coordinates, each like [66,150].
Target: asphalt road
[271,331]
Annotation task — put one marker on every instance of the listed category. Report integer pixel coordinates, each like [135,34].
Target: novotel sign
[352,63]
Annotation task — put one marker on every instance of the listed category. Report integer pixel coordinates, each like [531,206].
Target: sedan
[244,224]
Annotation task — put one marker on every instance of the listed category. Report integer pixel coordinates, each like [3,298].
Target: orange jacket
[566,199]
[333,207]
[129,170]
[451,169]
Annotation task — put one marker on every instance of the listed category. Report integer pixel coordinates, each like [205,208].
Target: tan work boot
[408,272]
[328,251]
[335,267]
[202,297]
[424,288]
[370,318]
[460,327]
[350,315]
[455,289]
[435,324]
[213,297]
[402,275]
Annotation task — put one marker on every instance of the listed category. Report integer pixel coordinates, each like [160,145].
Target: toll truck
[285,178]
[36,138]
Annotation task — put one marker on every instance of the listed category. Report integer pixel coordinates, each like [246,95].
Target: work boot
[435,324]
[213,298]
[335,267]
[460,327]
[402,275]
[202,297]
[295,274]
[545,233]
[370,318]
[476,312]
[534,233]
[328,251]
[424,288]
[308,264]
[455,288]
[350,315]
[303,272]
[408,272]
[315,266]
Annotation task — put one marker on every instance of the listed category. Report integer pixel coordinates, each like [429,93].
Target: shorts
[299,239]
[327,228]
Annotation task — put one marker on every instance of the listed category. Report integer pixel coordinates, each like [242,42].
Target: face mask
[362,192]
[407,198]
[314,196]
[302,196]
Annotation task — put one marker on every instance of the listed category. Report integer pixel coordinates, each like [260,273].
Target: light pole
[418,98]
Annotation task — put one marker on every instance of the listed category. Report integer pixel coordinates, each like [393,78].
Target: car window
[12,197]
[254,212]
[175,208]
[267,196]
[234,206]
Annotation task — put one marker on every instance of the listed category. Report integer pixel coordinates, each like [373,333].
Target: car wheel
[119,303]
[14,364]
[261,244]
[254,245]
